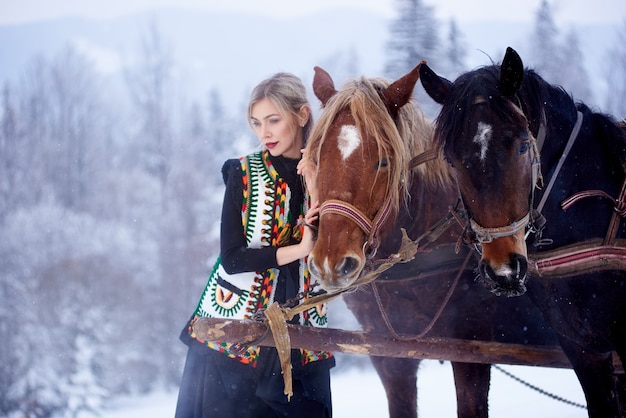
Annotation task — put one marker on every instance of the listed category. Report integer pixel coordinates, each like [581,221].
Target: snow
[359,393]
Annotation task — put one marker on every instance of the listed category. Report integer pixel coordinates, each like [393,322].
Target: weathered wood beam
[358,342]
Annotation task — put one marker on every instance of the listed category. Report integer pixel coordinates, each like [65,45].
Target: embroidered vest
[265,217]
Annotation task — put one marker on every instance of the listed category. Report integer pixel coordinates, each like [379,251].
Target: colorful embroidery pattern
[266,222]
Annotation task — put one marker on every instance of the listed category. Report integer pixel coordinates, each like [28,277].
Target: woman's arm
[236,256]
[285,255]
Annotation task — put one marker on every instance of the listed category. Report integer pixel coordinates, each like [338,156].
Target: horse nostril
[347,266]
[313,269]
[508,279]
[520,264]
[485,270]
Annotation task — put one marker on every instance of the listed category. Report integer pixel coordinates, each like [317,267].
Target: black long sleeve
[236,256]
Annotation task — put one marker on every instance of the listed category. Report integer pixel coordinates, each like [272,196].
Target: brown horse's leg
[399,377]
[472,389]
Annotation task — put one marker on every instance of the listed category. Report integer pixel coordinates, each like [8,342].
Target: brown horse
[501,127]
[363,144]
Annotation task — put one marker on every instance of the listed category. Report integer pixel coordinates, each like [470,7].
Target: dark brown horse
[503,127]
[363,144]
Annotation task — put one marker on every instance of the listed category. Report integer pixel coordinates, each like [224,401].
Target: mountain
[231,52]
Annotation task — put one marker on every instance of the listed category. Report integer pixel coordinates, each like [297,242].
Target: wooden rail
[358,342]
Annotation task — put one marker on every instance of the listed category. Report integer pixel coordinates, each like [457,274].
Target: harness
[576,259]
[371,227]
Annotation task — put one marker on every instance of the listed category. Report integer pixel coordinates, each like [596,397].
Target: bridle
[484,235]
[370,227]
[533,219]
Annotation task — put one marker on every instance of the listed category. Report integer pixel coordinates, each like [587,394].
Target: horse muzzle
[337,275]
[508,279]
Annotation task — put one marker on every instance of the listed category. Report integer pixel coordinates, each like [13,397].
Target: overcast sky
[565,11]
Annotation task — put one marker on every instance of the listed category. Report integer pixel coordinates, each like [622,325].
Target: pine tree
[413,37]
[455,51]
[559,62]
[8,152]
[573,76]
[545,56]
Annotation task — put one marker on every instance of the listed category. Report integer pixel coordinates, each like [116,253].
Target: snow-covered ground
[360,394]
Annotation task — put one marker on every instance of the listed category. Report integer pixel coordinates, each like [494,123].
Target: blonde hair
[288,94]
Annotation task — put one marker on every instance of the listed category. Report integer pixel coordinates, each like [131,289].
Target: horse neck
[595,161]
[598,140]
[427,204]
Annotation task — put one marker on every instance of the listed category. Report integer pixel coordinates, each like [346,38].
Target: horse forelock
[400,140]
[482,84]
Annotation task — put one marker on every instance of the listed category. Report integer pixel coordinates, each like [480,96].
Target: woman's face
[280,134]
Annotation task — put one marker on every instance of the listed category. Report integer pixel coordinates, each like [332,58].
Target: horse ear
[511,72]
[436,87]
[323,85]
[400,91]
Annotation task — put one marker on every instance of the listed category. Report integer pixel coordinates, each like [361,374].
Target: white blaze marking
[348,140]
[482,137]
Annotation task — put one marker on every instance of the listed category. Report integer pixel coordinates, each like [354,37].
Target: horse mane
[400,140]
[604,129]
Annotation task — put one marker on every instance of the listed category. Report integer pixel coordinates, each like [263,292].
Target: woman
[262,251]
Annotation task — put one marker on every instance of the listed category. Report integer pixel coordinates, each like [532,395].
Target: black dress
[214,385]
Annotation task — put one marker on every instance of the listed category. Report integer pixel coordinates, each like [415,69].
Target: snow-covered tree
[9,155]
[455,52]
[109,218]
[413,36]
[84,393]
[151,89]
[558,60]
[546,55]
[573,76]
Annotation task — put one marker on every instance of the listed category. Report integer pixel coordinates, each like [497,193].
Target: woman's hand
[308,169]
[285,255]
[310,229]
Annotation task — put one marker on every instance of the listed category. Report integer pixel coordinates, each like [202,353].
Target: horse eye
[382,163]
[524,147]
[449,161]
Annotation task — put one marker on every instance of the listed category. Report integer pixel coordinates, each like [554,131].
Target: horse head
[487,138]
[362,163]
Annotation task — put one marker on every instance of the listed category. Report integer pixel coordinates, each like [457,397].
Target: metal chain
[535,388]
